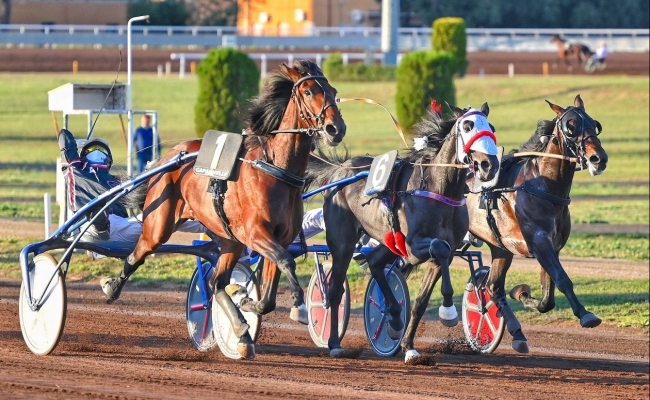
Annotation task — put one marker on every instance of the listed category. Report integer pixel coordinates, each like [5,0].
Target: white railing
[333,38]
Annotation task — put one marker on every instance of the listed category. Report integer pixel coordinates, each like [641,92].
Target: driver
[87,176]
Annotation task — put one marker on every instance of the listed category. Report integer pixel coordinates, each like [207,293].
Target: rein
[540,154]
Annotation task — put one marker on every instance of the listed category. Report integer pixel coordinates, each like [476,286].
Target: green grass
[609,212]
[621,246]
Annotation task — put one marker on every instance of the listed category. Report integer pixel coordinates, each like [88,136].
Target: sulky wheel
[482,321]
[224,335]
[375,313]
[198,309]
[319,316]
[42,328]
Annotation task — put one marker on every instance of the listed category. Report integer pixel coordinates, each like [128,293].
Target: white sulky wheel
[223,333]
[483,326]
[199,318]
[42,328]
[375,314]
[319,316]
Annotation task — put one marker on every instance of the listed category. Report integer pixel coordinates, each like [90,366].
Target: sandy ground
[490,63]
[138,348]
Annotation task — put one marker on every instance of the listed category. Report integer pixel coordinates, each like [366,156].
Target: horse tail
[134,200]
[322,167]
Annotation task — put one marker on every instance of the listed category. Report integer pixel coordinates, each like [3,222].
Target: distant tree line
[585,14]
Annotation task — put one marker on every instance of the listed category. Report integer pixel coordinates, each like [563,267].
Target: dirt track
[139,348]
[492,63]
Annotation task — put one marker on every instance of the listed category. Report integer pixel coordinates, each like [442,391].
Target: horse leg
[431,276]
[153,235]
[334,294]
[501,261]
[549,260]
[227,296]
[440,250]
[276,260]
[377,260]
[547,303]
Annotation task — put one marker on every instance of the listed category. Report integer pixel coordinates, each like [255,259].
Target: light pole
[129,95]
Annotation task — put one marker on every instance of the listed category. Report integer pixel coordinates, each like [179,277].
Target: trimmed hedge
[334,69]
[227,78]
[449,35]
[421,77]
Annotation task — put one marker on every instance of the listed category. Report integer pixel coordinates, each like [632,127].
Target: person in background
[601,53]
[143,143]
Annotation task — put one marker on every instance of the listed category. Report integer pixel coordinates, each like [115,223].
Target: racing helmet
[97,151]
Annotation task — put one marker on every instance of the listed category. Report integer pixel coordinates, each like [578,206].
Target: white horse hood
[480,138]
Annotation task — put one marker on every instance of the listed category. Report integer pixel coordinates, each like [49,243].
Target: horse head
[475,141]
[315,100]
[579,133]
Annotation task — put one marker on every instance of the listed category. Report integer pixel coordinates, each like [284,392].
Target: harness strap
[562,201]
[218,188]
[278,173]
[438,197]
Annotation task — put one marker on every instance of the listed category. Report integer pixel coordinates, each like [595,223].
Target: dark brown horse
[262,209]
[527,213]
[566,49]
[421,215]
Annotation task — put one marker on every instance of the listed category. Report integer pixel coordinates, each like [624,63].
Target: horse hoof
[410,356]
[520,346]
[246,351]
[590,321]
[518,291]
[448,316]
[338,352]
[111,288]
[300,314]
[449,323]
[394,334]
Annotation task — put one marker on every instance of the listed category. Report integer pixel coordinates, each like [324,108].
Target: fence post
[47,206]
[511,70]
[263,65]
[181,70]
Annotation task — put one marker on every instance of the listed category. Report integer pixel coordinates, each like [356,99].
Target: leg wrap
[239,325]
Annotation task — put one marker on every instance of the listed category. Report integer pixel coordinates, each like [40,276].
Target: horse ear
[485,109]
[558,110]
[457,111]
[578,102]
[291,72]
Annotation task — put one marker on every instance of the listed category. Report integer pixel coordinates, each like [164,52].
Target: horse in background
[262,207]
[566,49]
[420,215]
[527,212]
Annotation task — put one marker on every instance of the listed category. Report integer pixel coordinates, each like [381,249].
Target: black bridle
[305,113]
[575,136]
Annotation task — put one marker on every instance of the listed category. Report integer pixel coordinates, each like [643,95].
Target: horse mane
[544,128]
[433,126]
[435,129]
[265,111]
[321,168]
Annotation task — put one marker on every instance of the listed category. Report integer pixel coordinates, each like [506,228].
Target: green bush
[227,78]
[449,35]
[334,69]
[421,77]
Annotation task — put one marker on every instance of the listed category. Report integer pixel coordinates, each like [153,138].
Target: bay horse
[566,49]
[527,214]
[420,216]
[262,208]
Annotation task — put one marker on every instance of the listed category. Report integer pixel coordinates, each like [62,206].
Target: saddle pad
[218,154]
